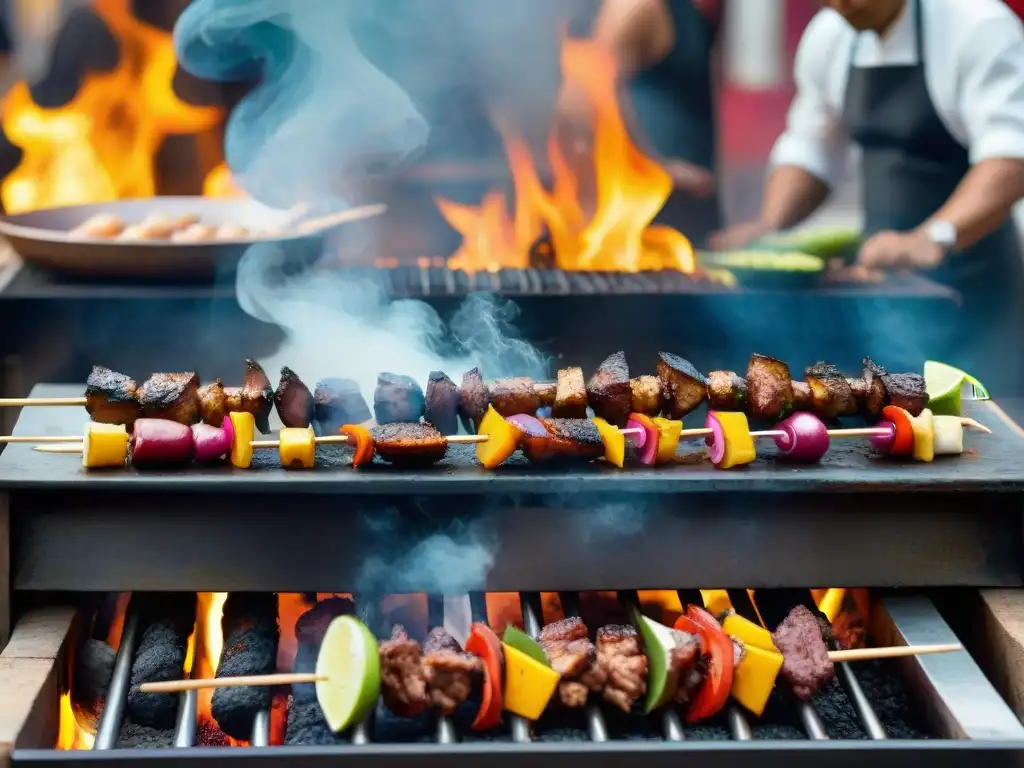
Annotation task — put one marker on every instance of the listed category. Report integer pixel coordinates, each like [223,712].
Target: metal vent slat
[109,728]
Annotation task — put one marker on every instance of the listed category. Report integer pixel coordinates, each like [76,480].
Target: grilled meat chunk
[512,396]
[546,391]
[806,665]
[906,390]
[293,399]
[403,681]
[442,405]
[213,404]
[473,400]
[646,395]
[608,391]
[683,387]
[337,402]
[565,440]
[257,395]
[621,658]
[572,655]
[173,396]
[803,397]
[831,393]
[450,673]
[111,397]
[409,444]
[397,399]
[571,395]
[874,389]
[682,660]
[726,391]
[769,389]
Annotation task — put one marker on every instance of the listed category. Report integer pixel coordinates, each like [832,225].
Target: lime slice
[350,665]
[525,644]
[659,641]
[944,385]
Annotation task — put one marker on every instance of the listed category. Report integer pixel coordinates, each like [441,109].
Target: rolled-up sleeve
[991,90]
[813,139]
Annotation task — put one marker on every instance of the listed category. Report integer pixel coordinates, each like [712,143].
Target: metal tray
[44,238]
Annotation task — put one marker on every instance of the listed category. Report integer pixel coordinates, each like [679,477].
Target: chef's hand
[737,236]
[892,251]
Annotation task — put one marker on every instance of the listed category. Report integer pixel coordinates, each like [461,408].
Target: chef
[664,50]
[932,94]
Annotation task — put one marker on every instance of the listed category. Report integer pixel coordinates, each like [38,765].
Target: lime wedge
[525,644]
[659,641]
[350,664]
[944,385]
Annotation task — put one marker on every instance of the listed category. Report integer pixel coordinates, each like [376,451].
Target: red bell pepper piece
[360,439]
[903,441]
[714,692]
[486,646]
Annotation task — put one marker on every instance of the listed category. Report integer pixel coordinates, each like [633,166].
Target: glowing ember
[101,146]
[630,189]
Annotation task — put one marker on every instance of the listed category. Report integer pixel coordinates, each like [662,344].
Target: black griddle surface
[990,463]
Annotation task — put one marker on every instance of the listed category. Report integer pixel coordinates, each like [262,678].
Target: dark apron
[911,166]
[675,114]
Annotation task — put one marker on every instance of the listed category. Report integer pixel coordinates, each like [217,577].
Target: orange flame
[630,189]
[101,146]
[220,183]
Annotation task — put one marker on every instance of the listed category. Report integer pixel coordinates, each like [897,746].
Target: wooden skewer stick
[342,439]
[837,433]
[321,223]
[23,402]
[76,441]
[40,439]
[295,678]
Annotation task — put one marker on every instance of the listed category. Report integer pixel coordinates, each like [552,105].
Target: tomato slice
[713,694]
[486,646]
[362,441]
[903,441]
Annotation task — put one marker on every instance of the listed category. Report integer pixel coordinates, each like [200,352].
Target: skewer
[25,402]
[834,433]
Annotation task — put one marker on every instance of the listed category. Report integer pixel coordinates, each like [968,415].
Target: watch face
[942,233]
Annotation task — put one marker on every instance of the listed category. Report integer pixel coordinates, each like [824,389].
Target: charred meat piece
[803,398]
[769,389]
[907,391]
[726,391]
[450,673]
[874,389]
[173,396]
[564,440]
[473,400]
[257,395]
[512,396]
[111,397]
[397,399]
[442,404]
[337,402]
[293,399]
[403,681]
[571,395]
[684,665]
[831,393]
[608,391]
[213,403]
[572,655]
[646,395]
[546,391]
[806,665]
[621,658]
[412,444]
[683,387]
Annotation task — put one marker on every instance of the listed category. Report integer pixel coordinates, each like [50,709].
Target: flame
[220,183]
[207,647]
[630,189]
[71,734]
[101,146]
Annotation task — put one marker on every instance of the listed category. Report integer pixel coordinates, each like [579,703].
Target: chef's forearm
[637,32]
[983,199]
[791,195]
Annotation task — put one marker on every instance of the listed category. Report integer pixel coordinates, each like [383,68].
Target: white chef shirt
[974,73]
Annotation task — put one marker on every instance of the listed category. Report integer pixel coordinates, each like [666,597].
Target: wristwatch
[943,234]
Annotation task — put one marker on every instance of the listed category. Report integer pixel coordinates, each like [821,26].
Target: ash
[134,736]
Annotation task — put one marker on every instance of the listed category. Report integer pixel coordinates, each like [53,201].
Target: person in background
[664,52]
[932,93]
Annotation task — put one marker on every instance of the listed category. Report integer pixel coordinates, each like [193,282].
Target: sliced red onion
[210,443]
[884,442]
[160,441]
[716,440]
[803,437]
[638,437]
[646,441]
[528,425]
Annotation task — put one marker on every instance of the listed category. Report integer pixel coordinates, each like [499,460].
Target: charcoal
[306,724]
[442,406]
[250,648]
[94,666]
[337,402]
[165,623]
[293,400]
[397,399]
[312,625]
[135,736]
[307,727]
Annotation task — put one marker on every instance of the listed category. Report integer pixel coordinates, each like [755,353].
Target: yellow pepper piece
[831,603]
[502,439]
[668,438]
[716,601]
[529,685]
[614,442]
[297,446]
[245,431]
[924,436]
[754,679]
[104,445]
[739,445]
[749,633]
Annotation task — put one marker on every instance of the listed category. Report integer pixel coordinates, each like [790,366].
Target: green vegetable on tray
[824,243]
[763,260]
